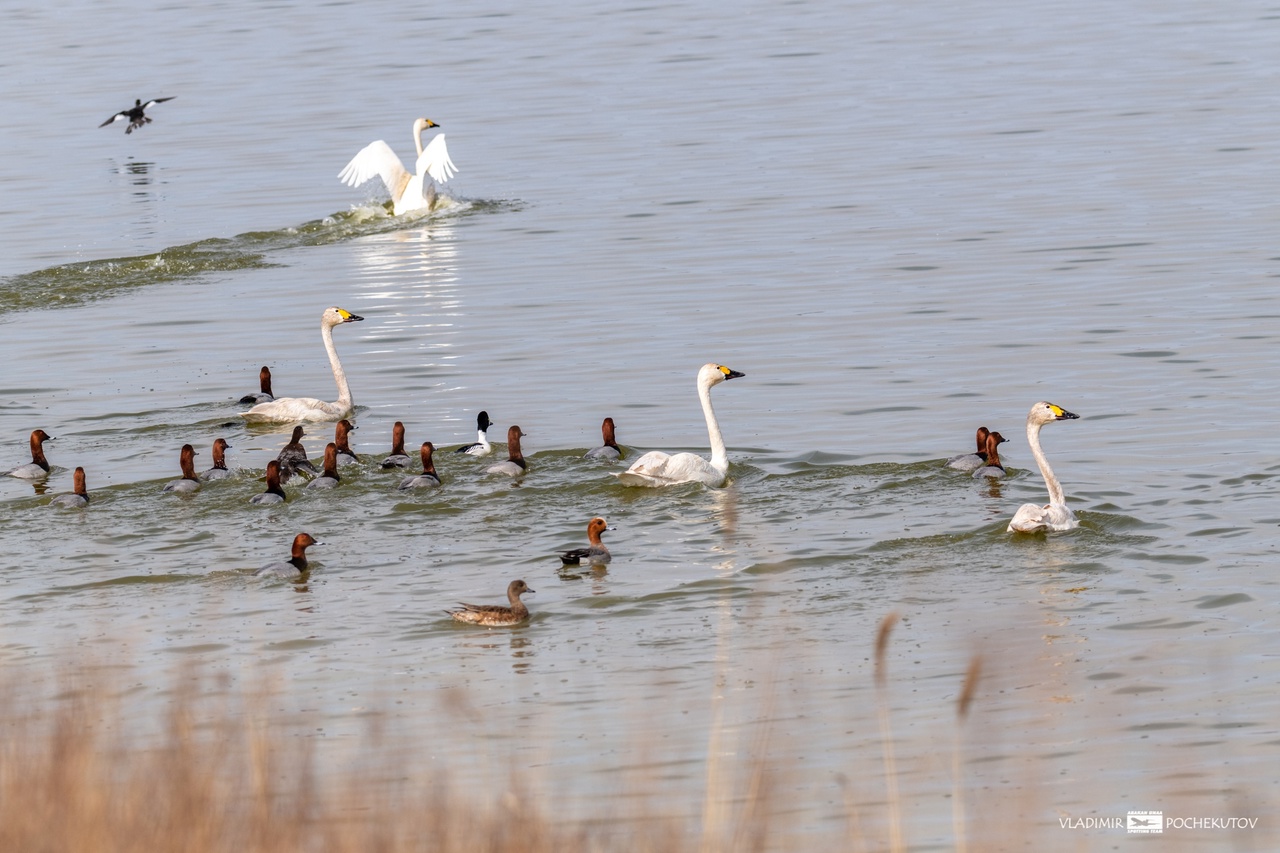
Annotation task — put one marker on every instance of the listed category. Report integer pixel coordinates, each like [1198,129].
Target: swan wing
[287,410]
[434,160]
[1034,518]
[376,160]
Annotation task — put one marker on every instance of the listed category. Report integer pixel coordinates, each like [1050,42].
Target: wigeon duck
[287,410]
[1055,515]
[656,468]
[596,553]
[495,614]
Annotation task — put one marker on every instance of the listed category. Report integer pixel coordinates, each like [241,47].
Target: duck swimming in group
[219,470]
[38,467]
[296,565]
[495,615]
[992,470]
[287,410]
[398,458]
[136,114]
[514,465]
[78,498]
[656,468]
[264,395]
[274,494]
[341,431]
[1055,515]
[481,447]
[188,482]
[293,457]
[608,450]
[428,479]
[407,191]
[329,479]
[595,553]
[972,461]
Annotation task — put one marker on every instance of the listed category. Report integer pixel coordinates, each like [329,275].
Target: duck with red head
[188,482]
[219,470]
[78,498]
[514,466]
[38,467]
[610,449]
[993,470]
[274,494]
[296,565]
[329,479]
[972,461]
[428,479]
[595,553]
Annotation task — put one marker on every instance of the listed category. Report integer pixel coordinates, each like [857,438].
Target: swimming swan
[1055,515]
[287,410]
[656,468]
[406,190]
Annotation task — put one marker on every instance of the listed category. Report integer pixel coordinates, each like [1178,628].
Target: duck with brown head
[514,466]
[398,458]
[329,479]
[972,461]
[296,565]
[495,615]
[341,438]
[188,482]
[293,458]
[219,470]
[78,498]
[274,494]
[428,479]
[610,449]
[264,395]
[38,467]
[993,470]
[595,553]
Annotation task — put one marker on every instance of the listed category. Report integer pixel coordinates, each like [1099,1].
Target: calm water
[899,221]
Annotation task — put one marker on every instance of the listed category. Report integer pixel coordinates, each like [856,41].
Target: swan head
[422,124]
[1044,413]
[713,374]
[337,316]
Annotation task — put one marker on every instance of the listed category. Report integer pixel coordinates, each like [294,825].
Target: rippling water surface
[900,222]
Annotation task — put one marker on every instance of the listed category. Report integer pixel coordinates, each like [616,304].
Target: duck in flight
[137,114]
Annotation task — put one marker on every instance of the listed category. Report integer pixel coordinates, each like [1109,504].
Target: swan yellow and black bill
[729,374]
[1062,414]
[347,316]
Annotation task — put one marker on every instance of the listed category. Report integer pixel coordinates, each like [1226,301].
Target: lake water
[900,221]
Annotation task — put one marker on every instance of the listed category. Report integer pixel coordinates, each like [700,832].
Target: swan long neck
[719,456]
[1055,488]
[339,377]
[417,140]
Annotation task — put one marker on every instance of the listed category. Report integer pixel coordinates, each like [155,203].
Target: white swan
[407,192]
[287,410]
[1055,515]
[656,468]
